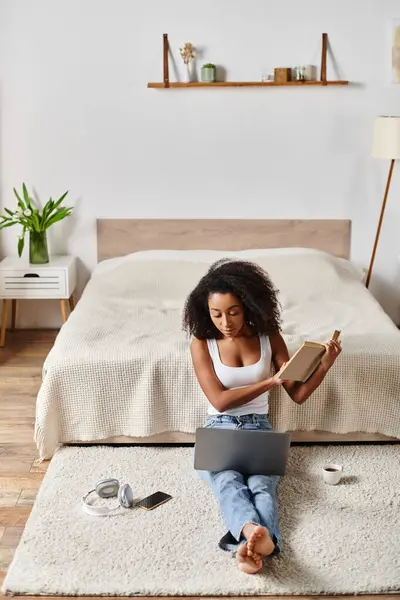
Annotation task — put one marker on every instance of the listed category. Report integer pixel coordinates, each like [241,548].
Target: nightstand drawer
[33,283]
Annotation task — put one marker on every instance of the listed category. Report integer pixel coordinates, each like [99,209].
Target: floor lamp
[386,144]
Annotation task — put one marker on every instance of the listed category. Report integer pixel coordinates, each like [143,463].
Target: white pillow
[342,264]
[210,256]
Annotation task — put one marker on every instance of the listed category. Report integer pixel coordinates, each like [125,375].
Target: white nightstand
[20,279]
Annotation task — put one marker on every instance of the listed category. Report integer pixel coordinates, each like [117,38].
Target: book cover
[304,362]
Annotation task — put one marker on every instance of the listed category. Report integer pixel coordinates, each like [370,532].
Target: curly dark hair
[248,282]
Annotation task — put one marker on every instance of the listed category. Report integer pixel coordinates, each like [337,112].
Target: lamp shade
[386,142]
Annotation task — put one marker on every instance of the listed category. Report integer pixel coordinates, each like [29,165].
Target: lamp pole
[380,223]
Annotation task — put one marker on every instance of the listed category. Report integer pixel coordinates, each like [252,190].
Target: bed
[120,368]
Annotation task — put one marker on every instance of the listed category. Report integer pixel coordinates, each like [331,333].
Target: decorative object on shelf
[165,84]
[386,144]
[282,74]
[208,73]
[396,51]
[35,222]
[267,77]
[311,73]
[187,52]
[299,73]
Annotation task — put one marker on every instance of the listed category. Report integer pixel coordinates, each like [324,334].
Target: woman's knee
[262,483]
[227,478]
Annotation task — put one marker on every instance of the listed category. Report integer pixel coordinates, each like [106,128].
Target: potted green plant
[208,73]
[36,222]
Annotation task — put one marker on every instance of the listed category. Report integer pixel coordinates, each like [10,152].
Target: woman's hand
[333,349]
[273,381]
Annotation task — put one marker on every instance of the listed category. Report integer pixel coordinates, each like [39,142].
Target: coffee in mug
[332,473]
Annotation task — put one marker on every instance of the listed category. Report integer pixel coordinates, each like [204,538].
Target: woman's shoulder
[276,341]
[274,335]
[200,350]
[198,344]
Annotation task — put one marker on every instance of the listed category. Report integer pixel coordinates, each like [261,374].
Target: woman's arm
[298,391]
[217,395]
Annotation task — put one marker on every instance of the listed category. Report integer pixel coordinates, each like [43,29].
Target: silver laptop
[250,452]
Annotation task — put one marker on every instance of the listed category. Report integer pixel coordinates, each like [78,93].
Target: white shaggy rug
[342,539]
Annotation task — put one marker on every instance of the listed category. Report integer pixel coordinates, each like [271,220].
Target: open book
[304,362]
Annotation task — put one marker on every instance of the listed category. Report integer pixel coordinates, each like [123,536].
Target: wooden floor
[21,362]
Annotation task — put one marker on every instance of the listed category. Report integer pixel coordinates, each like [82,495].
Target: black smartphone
[153,500]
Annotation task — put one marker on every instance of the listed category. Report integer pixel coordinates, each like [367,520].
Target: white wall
[76,114]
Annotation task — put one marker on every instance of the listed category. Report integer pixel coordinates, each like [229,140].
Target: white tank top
[236,377]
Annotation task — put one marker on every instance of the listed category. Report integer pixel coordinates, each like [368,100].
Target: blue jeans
[244,499]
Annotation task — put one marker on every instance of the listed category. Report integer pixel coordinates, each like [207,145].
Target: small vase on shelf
[187,52]
[38,252]
[187,73]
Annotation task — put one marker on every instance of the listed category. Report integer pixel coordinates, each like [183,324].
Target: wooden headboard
[117,237]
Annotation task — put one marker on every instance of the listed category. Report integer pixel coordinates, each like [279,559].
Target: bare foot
[247,564]
[259,542]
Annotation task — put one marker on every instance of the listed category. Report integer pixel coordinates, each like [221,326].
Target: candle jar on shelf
[299,73]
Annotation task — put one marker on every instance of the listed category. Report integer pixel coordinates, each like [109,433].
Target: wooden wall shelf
[166,83]
[196,84]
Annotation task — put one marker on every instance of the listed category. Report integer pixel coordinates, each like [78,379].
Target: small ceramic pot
[208,74]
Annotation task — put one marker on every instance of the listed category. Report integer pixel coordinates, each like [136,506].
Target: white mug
[332,473]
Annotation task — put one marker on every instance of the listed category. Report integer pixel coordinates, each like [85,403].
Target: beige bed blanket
[121,364]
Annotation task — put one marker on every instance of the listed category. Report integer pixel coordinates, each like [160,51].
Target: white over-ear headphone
[109,488]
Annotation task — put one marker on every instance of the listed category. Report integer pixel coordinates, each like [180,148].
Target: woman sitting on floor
[234,317]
